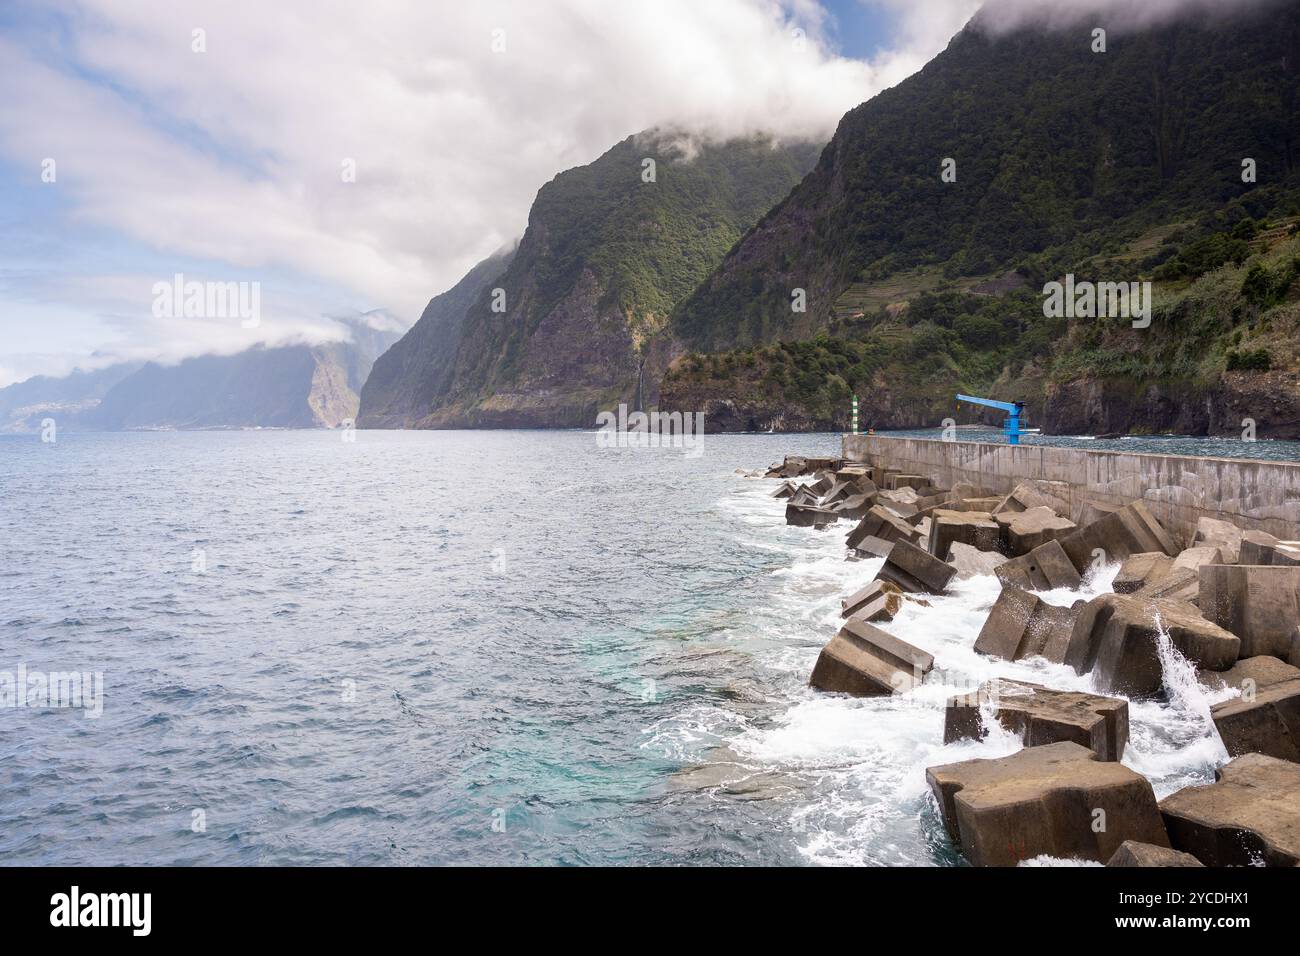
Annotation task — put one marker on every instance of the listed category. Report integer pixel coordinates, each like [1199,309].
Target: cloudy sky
[227,163]
[144,138]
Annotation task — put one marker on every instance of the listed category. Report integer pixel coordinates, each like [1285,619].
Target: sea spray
[856,766]
[861,761]
[1173,742]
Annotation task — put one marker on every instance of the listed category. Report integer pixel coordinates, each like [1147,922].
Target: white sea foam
[868,756]
[688,736]
[1057,861]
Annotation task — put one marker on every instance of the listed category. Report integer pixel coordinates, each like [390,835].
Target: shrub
[1253,360]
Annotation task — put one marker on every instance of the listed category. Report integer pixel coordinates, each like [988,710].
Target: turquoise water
[465,647]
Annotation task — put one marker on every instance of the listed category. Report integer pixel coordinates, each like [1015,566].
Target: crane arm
[1011,407]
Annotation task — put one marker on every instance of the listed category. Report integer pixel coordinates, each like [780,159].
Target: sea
[491,647]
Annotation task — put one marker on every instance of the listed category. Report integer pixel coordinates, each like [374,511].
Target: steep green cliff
[416,373]
[1117,166]
[563,329]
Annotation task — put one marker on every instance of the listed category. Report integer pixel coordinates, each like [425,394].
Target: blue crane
[1013,410]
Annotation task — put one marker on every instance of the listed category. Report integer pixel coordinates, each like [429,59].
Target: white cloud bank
[1111,14]
[234,156]
[231,159]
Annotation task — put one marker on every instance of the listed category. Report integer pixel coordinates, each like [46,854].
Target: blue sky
[862,29]
[224,163]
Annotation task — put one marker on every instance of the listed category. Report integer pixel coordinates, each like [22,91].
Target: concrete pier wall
[1262,495]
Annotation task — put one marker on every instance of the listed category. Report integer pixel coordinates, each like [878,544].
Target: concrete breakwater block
[1192,559]
[865,661]
[1133,854]
[967,489]
[975,528]
[1260,547]
[839,490]
[1260,604]
[971,562]
[795,466]
[878,601]
[792,467]
[902,502]
[808,516]
[1045,568]
[867,487]
[864,486]
[1250,815]
[1180,585]
[1250,674]
[803,495]
[1023,531]
[1129,530]
[1023,625]
[873,547]
[928,507]
[928,503]
[1057,800]
[984,503]
[1142,570]
[1117,637]
[1223,535]
[881,523]
[854,507]
[895,481]
[786,490]
[1094,511]
[1043,494]
[859,475]
[915,570]
[1263,720]
[1042,715]
[1157,580]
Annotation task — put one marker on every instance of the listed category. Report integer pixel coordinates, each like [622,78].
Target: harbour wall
[1178,489]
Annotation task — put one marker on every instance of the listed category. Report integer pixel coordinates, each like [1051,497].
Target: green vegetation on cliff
[1116,167]
[610,249]
[906,364]
[1061,154]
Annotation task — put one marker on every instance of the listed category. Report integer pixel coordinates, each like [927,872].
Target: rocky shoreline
[1226,602]
[1083,406]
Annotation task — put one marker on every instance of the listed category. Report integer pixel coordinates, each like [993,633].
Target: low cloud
[1003,15]
[452,115]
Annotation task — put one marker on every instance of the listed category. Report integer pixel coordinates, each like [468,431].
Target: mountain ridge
[609,249]
[1120,166]
[289,386]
